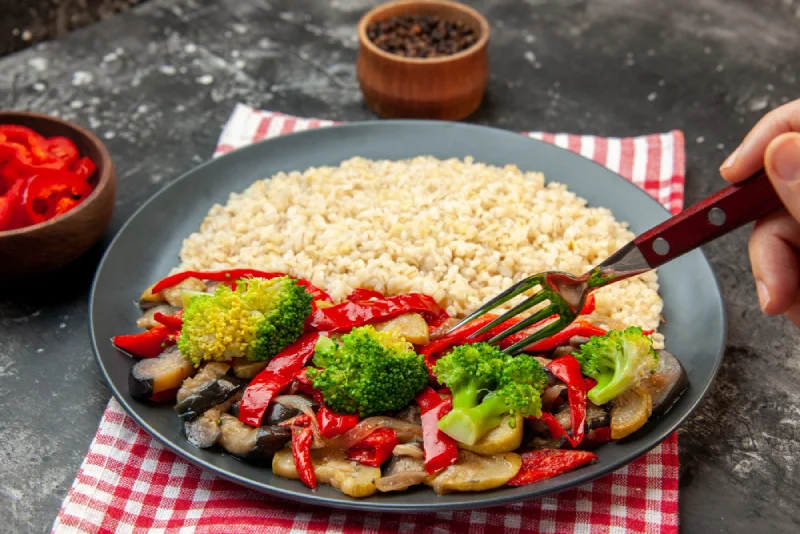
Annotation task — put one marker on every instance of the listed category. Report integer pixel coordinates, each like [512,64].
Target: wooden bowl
[44,247]
[445,88]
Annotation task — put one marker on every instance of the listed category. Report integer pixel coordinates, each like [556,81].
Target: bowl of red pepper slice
[57,192]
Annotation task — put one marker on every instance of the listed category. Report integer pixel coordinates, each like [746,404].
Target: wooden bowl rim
[106,166]
[479,45]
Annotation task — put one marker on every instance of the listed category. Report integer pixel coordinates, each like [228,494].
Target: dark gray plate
[147,248]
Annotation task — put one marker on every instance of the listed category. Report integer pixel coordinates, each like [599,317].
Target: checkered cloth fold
[129,482]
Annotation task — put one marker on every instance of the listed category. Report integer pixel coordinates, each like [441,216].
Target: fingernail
[786,159]
[728,163]
[763,294]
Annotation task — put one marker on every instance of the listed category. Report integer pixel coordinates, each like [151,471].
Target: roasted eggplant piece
[203,431]
[158,379]
[667,383]
[596,416]
[256,445]
[211,394]
[275,414]
[630,412]
[207,373]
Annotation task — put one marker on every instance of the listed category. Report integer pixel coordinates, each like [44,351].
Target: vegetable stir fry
[367,395]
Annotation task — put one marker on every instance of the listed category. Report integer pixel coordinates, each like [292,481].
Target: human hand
[774,144]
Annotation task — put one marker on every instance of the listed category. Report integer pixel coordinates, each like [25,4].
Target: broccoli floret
[618,361]
[487,385]
[256,320]
[367,372]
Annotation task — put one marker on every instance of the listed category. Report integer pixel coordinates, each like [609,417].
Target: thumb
[782,163]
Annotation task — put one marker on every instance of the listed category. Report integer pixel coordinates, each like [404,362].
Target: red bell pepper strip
[590,382]
[331,424]
[301,452]
[278,373]
[374,449]
[361,294]
[596,437]
[589,306]
[84,167]
[298,421]
[50,193]
[556,430]
[547,463]
[231,275]
[11,212]
[304,385]
[427,399]
[174,322]
[440,449]
[568,370]
[62,149]
[576,328]
[348,315]
[148,344]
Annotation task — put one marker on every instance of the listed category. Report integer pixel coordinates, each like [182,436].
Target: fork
[718,214]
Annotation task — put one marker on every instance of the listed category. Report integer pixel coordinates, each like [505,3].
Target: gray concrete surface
[157,83]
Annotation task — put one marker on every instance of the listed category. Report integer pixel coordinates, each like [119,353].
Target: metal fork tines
[558,308]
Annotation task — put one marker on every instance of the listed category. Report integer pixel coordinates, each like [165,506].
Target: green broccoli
[487,385]
[618,361]
[367,372]
[256,320]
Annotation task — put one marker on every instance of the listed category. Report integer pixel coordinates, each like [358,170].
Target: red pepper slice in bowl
[51,193]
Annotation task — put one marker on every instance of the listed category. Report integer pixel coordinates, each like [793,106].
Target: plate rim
[304,496]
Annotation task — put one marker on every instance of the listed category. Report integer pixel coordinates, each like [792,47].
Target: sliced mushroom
[667,383]
[473,472]
[500,439]
[401,473]
[207,373]
[331,467]
[630,412]
[247,369]
[158,379]
[411,326]
[210,394]
[147,320]
[257,445]
[412,450]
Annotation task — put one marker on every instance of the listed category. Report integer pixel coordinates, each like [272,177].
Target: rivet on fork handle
[722,212]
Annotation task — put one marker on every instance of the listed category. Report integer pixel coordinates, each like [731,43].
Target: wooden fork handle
[722,212]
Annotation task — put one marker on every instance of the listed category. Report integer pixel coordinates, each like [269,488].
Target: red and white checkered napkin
[129,482]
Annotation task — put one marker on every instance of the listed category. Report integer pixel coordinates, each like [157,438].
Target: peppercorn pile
[421,36]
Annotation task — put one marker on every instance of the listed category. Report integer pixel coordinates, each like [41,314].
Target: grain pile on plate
[458,230]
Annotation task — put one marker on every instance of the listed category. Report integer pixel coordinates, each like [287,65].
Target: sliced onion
[306,406]
[400,481]
[405,431]
[551,394]
[409,449]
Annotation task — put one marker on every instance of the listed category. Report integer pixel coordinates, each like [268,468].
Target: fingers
[749,156]
[773,257]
